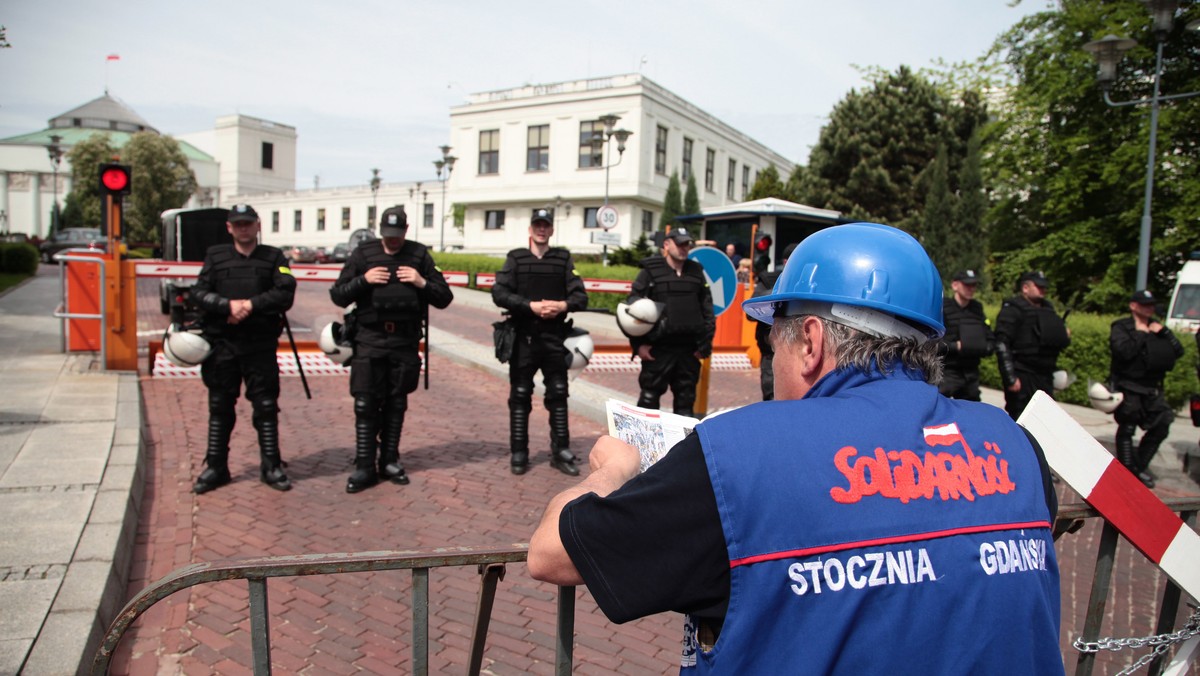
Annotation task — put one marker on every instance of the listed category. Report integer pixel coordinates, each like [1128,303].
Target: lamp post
[598,143]
[56,153]
[375,182]
[447,163]
[1108,52]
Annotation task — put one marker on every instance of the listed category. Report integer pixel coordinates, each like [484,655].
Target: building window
[745,181]
[371,217]
[591,155]
[732,177]
[489,151]
[647,220]
[274,221]
[427,217]
[321,220]
[296,220]
[495,220]
[687,159]
[345,218]
[538,156]
[710,167]
[268,155]
[589,217]
[660,151]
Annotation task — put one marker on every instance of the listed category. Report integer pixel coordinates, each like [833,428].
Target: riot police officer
[538,286]
[1029,337]
[243,290]
[1143,351]
[392,282]
[968,339]
[672,350]
[764,283]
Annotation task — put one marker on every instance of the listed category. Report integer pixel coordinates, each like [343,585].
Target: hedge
[19,258]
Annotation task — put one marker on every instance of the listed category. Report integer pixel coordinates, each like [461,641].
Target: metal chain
[1160,642]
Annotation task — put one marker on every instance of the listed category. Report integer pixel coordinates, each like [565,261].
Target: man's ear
[812,346]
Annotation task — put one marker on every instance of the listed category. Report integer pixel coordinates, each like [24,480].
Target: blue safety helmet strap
[871,277]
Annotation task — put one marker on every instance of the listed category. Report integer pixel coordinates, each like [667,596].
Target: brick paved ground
[462,494]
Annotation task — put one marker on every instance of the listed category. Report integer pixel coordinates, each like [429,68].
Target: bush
[19,258]
[1088,357]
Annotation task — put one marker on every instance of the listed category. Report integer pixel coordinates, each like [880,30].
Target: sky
[369,83]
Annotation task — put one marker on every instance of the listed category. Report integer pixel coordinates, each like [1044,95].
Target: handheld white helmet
[639,317]
[580,347]
[1063,379]
[185,348]
[1103,400]
[332,344]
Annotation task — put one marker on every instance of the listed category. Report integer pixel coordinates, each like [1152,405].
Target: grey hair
[852,348]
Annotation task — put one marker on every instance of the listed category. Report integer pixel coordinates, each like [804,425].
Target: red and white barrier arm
[303,273]
[1106,485]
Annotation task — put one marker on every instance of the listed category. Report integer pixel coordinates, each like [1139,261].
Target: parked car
[14,238]
[340,253]
[72,238]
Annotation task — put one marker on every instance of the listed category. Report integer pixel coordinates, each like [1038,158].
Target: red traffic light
[115,179]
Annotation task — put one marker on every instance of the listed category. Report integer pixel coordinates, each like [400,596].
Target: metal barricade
[491,563]
[60,312]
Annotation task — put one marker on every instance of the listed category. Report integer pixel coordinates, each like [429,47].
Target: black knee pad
[556,389]
[265,407]
[366,406]
[221,403]
[520,397]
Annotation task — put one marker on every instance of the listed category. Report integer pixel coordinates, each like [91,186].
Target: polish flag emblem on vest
[944,435]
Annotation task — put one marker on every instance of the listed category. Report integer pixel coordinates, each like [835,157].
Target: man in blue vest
[392,281]
[243,290]
[862,522]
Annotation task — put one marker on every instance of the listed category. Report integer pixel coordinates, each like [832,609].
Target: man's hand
[1015,387]
[239,310]
[617,459]
[377,275]
[547,309]
[409,275]
[1155,327]
[644,353]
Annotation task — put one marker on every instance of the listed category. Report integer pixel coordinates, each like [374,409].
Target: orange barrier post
[83,297]
[121,302]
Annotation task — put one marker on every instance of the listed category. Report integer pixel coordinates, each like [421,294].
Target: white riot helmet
[1063,379]
[185,348]
[1103,400]
[637,318]
[331,342]
[579,346]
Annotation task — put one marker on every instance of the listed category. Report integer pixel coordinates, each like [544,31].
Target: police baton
[296,354]
[427,347]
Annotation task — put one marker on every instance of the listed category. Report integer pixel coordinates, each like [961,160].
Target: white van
[1184,313]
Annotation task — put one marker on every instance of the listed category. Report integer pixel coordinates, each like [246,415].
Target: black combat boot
[390,468]
[518,440]
[1126,457]
[271,468]
[365,430]
[216,457]
[561,457]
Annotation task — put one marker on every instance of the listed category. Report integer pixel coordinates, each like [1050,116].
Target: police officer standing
[763,284]
[243,290]
[968,339]
[1143,351]
[1029,337]
[672,351]
[538,286]
[392,281]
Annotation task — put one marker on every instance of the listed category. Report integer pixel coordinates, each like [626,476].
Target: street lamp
[1108,51]
[375,181]
[56,153]
[447,163]
[598,143]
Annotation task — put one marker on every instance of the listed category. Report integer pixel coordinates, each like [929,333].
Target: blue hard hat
[862,275]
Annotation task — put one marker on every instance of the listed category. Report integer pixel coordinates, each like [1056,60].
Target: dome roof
[107,113]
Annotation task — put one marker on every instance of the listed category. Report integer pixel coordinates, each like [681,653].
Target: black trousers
[1015,402]
[961,383]
[227,368]
[675,367]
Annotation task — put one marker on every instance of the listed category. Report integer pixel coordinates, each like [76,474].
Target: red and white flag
[113,57]
[944,435]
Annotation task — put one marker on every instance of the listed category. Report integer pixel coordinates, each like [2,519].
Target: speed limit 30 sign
[606,217]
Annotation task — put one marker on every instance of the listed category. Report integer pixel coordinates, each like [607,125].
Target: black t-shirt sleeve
[655,544]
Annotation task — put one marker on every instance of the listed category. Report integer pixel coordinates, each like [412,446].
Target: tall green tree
[162,180]
[970,212]
[85,158]
[1068,171]
[672,202]
[691,197]
[767,184]
[938,220]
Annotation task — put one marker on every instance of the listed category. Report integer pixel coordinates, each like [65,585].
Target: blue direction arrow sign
[720,274]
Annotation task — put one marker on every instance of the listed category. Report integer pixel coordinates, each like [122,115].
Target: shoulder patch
[283,269]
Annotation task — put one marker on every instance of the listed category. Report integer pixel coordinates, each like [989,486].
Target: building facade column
[35,203]
[5,212]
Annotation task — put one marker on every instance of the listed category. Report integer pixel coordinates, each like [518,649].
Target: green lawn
[10,279]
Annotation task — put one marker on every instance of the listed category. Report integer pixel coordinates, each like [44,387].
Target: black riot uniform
[685,329]
[386,366]
[1140,362]
[243,352]
[1029,338]
[764,283]
[539,345]
[968,340]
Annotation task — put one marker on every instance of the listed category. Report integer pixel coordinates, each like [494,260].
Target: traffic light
[115,179]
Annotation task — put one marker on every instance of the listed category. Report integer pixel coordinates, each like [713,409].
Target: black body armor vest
[683,314]
[238,278]
[541,278]
[395,301]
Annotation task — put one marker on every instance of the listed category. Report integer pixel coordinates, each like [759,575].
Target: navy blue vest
[875,525]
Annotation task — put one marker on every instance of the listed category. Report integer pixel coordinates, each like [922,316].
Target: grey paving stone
[41,527]
[63,643]
[25,605]
[12,654]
